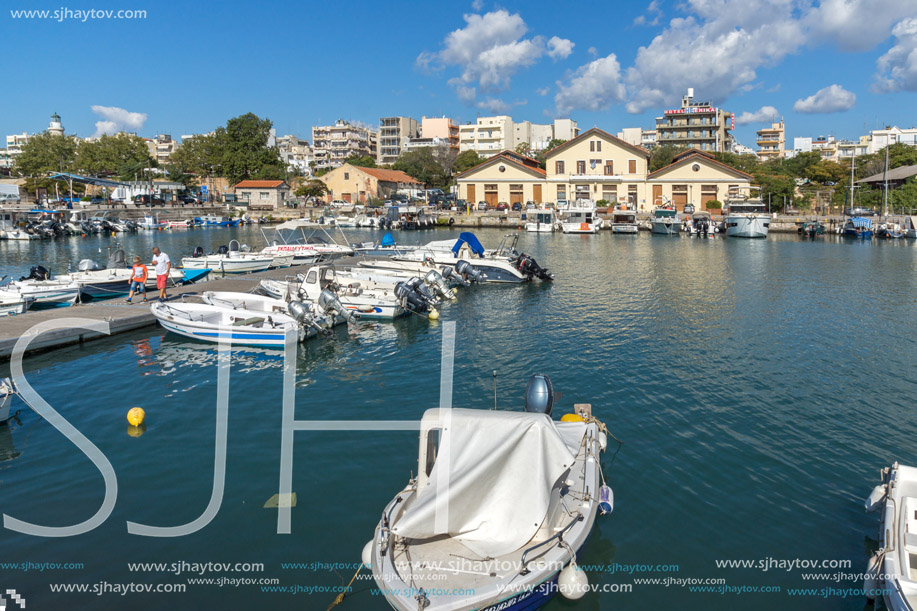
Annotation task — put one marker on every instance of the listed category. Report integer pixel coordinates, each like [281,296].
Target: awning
[466,237]
[859,221]
[88,180]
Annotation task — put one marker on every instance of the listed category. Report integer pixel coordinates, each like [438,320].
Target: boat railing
[558,535]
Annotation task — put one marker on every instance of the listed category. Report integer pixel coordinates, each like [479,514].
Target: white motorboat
[7,392]
[508,542]
[746,215]
[151,222]
[664,220]
[623,220]
[384,304]
[290,239]
[540,220]
[236,326]
[910,227]
[892,571]
[18,233]
[702,225]
[228,261]
[317,321]
[13,302]
[386,247]
[580,217]
[96,282]
[42,292]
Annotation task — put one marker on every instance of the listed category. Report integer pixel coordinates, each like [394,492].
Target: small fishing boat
[701,226]
[235,326]
[386,247]
[664,220]
[212,220]
[96,282]
[624,220]
[7,392]
[892,571]
[180,224]
[508,542]
[44,293]
[580,217]
[540,220]
[151,222]
[12,303]
[858,227]
[318,320]
[891,231]
[810,229]
[226,261]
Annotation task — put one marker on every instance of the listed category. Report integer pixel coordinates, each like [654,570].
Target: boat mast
[885,211]
[852,166]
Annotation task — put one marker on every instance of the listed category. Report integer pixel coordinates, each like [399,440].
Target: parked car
[517,207]
[189,199]
[148,200]
[482,206]
[502,207]
[97,200]
[860,212]
[338,202]
[830,183]
[689,208]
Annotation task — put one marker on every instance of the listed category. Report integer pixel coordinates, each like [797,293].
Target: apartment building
[537,136]
[332,144]
[442,128]
[637,136]
[295,153]
[394,133]
[697,125]
[488,135]
[161,147]
[771,141]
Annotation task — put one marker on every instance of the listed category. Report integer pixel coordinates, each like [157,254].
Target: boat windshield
[665,213]
[749,207]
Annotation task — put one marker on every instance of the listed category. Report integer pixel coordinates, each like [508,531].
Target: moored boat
[623,220]
[664,220]
[892,571]
[235,326]
[746,215]
[540,220]
[580,217]
[858,227]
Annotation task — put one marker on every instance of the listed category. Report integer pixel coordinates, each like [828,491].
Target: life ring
[451,221]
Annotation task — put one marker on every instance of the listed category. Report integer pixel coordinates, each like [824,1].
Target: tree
[524,148]
[466,160]
[901,155]
[362,161]
[422,165]
[199,155]
[542,155]
[245,153]
[313,188]
[662,155]
[827,171]
[45,153]
[122,155]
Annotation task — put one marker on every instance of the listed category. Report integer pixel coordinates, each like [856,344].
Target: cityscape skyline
[836,68]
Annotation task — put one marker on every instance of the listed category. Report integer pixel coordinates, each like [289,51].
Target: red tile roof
[259,184]
[388,175]
[701,155]
[507,157]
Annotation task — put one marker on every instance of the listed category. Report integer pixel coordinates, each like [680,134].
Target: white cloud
[477,5]
[654,14]
[593,51]
[543,90]
[765,114]
[717,51]
[833,98]
[593,86]
[897,69]
[489,50]
[116,120]
[559,48]
[856,25]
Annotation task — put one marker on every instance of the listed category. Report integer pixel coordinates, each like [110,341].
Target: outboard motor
[467,271]
[539,395]
[222,250]
[452,276]
[435,280]
[418,286]
[329,302]
[302,314]
[88,265]
[410,299]
[117,259]
[198,252]
[529,268]
[37,273]
[87,227]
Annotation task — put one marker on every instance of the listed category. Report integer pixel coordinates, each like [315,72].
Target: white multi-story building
[490,135]
[295,153]
[394,133]
[537,136]
[161,147]
[332,144]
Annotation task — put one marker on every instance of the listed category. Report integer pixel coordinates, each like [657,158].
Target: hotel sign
[684,111]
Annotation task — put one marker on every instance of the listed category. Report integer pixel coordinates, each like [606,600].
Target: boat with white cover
[502,504]
[892,571]
[580,217]
[386,247]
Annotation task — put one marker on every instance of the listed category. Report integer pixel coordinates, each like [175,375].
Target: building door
[515,194]
[345,197]
[470,194]
[707,193]
[657,195]
[536,193]
[491,198]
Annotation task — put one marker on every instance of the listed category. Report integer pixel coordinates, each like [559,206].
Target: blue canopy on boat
[466,237]
[859,221]
[387,240]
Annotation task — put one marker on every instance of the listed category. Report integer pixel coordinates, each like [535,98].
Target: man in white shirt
[163,266]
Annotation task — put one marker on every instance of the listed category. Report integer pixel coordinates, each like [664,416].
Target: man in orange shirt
[138,280]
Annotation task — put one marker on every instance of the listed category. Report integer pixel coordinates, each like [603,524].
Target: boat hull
[227,265]
[580,227]
[747,226]
[628,228]
[539,227]
[666,227]
[860,235]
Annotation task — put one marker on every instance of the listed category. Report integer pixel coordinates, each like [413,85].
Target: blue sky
[837,67]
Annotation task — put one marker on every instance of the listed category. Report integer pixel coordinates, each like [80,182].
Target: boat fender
[572,582]
[603,441]
[367,555]
[572,418]
[451,221]
[871,580]
[876,497]
[606,500]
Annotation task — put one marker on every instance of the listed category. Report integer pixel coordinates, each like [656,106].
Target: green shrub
[714,205]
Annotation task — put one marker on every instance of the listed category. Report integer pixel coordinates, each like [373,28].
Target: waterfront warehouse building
[352,183]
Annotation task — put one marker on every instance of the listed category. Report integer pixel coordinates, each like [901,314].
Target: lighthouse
[55,128]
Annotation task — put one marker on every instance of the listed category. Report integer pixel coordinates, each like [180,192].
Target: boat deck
[120,316]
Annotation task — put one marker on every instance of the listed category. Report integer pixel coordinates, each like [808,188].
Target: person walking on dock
[163,266]
[139,274]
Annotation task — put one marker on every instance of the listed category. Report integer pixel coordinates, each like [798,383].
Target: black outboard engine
[37,273]
[468,272]
[539,395]
[529,268]
[198,252]
[418,286]
[87,227]
[410,299]
[329,302]
[222,250]
[452,276]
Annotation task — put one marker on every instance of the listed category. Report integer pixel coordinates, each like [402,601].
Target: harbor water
[758,386]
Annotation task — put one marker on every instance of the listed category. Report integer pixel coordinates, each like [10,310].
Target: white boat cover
[501,469]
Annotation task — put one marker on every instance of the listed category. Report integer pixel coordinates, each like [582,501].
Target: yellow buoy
[135,416]
[434,315]
[572,418]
